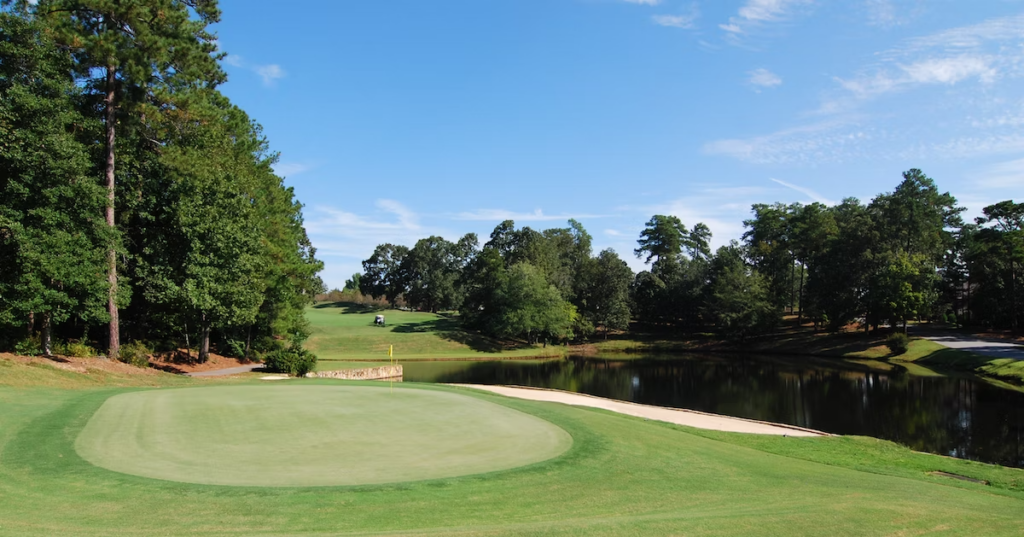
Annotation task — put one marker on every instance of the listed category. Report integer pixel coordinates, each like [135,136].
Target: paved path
[690,418]
[225,372]
[987,347]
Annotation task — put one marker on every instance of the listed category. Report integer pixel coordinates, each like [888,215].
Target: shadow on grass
[450,329]
[349,307]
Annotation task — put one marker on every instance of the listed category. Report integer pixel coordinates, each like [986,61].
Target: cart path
[689,418]
[987,347]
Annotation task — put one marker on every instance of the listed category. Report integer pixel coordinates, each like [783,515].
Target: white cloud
[234,60]
[675,21]
[759,12]
[986,52]
[643,2]
[269,73]
[805,191]
[764,78]
[950,70]
[290,169]
[613,233]
[499,215]
[344,238]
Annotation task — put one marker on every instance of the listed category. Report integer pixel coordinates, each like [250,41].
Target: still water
[957,416]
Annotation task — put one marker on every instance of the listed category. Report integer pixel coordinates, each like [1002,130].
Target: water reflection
[961,417]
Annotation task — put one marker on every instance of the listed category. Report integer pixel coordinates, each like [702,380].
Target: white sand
[689,418]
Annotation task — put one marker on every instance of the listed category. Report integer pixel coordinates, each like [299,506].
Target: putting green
[311,435]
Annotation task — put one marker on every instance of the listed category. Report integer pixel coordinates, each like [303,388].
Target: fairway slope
[342,332]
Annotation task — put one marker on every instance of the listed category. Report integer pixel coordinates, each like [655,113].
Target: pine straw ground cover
[622,475]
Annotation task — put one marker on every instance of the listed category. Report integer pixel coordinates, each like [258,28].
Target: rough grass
[622,476]
[345,332]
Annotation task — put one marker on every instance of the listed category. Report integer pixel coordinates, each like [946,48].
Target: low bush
[75,349]
[294,361]
[32,346]
[135,353]
[898,343]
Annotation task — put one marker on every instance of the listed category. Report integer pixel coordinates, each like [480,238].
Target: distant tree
[605,300]
[738,301]
[1000,250]
[841,267]
[383,274]
[530,307]
[771,250]
[352,284]
[662,238]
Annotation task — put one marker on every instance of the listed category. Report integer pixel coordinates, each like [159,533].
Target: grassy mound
[343,331]
[300,435]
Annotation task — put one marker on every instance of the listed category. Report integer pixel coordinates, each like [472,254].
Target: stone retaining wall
[387,372]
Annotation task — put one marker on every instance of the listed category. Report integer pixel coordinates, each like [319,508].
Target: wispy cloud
[756,13]
[1006,175]
[675,21]
[984,52]
[270,73]
[499,215]
[344,237]
[643,2]
[827,141]
[763,78]
[614,233]
[971,73]
[687,21]
[814,196]
[290,169]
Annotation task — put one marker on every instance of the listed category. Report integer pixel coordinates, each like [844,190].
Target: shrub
[75,349]
[234,348]
[135,353]
[32,346]
[898,343]
[294,361]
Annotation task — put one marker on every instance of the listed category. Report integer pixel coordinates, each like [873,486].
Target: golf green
[311,435]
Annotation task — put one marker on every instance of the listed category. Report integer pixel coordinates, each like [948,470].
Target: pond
[958,416]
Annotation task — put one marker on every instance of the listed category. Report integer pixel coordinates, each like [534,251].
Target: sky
[396,120]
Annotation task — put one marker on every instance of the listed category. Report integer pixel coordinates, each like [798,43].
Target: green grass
[297,435]
[622,476]
[344,332]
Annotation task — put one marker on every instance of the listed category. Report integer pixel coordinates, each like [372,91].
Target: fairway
[312,435]
[342,332]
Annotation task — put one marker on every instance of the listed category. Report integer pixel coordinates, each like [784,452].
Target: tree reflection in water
[956,416]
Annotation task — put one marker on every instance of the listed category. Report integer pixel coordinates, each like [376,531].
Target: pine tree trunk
[46,335]
[204,342]
[110,116]
[31,324]
[248,343]
[800,299]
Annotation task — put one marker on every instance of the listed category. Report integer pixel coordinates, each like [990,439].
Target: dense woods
[906,255]
[137,204]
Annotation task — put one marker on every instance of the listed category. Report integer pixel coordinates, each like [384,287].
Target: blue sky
[400,119]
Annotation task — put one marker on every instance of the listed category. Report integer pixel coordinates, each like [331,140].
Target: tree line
[907,254]
[137,203]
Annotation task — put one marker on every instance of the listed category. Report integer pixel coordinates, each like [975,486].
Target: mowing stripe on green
[312,435]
